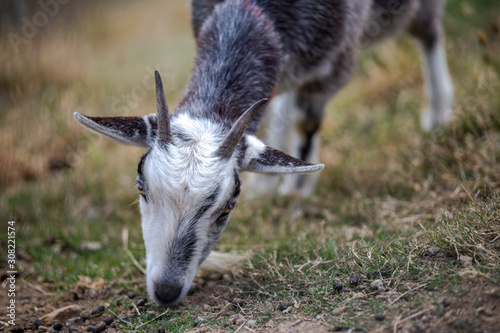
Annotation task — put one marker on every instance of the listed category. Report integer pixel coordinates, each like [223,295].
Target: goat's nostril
[166,293]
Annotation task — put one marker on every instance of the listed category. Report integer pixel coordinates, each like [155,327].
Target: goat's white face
[189,182]
[187,195]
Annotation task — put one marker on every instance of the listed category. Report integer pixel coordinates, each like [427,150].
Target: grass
[418,211]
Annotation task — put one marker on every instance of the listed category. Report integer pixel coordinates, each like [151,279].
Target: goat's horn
[164,132]
[233,137]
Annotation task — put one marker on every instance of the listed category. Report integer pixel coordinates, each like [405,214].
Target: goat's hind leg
[428,31]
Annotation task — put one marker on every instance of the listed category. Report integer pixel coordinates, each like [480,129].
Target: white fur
[439,88]
[179,180]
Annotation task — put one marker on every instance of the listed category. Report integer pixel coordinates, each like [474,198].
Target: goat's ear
[136,131]
[263,159]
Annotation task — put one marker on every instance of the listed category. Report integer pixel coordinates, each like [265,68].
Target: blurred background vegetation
[65,187]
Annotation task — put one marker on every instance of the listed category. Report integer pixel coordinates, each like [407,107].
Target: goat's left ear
[263,159]
[135,131]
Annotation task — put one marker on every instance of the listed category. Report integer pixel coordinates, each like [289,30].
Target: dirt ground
[95,306]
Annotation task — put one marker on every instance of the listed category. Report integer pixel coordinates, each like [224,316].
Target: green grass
[393,203]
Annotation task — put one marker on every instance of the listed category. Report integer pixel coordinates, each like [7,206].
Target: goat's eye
[228,210]
[141,191]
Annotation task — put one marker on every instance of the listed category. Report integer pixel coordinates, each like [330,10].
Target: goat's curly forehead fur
[187,169]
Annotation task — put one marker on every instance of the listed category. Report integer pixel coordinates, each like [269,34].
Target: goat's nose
[167,292]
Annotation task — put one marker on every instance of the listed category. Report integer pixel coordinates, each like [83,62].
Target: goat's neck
[237,64]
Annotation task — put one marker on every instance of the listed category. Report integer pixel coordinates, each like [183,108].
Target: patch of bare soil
[86,307]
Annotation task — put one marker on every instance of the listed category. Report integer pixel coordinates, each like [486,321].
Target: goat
[297,53]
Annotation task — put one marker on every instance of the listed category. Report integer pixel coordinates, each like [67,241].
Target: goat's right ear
[135,131]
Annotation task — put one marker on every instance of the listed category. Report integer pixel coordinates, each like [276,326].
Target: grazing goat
[298,53]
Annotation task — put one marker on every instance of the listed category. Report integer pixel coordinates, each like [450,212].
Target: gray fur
[302,52]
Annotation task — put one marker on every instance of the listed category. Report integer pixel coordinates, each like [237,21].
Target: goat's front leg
[291,124]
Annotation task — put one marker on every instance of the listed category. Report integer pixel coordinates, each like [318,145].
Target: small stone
[97,310]
[197,321]
[38,323]
[354,280]
[211,284]
[251,322]
[74,321]
[91,329]
[433,251]
[161,330]
[42,328]
[238,320]
[466,261]
[338,287]
[379,317]
[100,327]
[108,320]
[85,314]
[17,329]
[282,306]
[377,284]
[131,294]
[446,302]
[238,301]
[140,302]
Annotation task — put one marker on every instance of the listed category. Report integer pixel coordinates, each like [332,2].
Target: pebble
[446,302]
[433,251]
[97,310]
[238,301]
[130,294]
[466,261]
[338,287]
[212,284]
[100,327]
[377,284]
[161,330]
[282,305]
[197,321]
[17,330]
[379,317]
[92,329]
[238,320]
[140,302]
[251,322]
[74,321]
[85,314]
[42,328]
[354,280]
